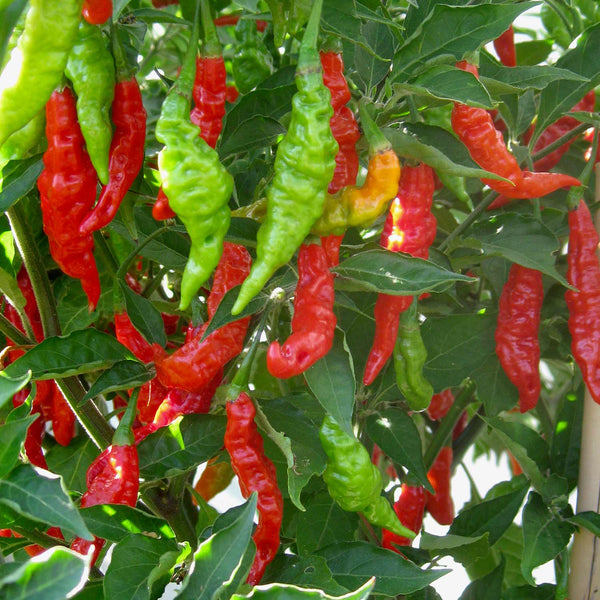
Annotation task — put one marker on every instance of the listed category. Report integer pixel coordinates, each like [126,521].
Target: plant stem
[471,217]
[563,139]
[10,331]
[35,269]
[444,431]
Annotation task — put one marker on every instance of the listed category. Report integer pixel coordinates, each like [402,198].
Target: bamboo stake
[584,579]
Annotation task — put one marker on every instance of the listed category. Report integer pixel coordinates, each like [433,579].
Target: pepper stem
[308,49]
[185,82]
[123,435]
[124,70]
[211,46]
[378,143]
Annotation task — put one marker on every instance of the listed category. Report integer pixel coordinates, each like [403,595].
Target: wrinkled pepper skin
[126,153]
[440,505]
[196,363]
[409,508]
[475,129]
[360,206]
[38,62]
[252,63]
[67,188]
[209,92]
[410,356]
[304,166]
[91,70]
[517,341]
[583,272]
[256,473]
[113,478]
[313,323]
[196,183]
[352,480]
[410,227]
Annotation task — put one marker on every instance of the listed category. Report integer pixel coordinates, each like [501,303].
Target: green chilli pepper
[410,355]
[354,482]
[252,62]
[37,63]
[91,70]
[196,183]
[21,142]
[303,168]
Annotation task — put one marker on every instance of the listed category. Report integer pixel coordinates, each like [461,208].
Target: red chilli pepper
[67,188]
[517,343]
[112,478]
[346,133]
[410,227]
[198,361]
[97,12]
[504,45]
[256,473]
[409,507]
[440,404]
[583,273]
[313,323]
[440,505]
[475,128]
[126,153]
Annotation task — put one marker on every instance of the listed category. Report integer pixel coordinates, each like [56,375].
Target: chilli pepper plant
[273,273]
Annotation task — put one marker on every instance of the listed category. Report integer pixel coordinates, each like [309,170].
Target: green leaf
[566,441]
[394,273]
[450,358]
[60,575]
[445,82]
[9,285]
[298,421]
[486,588]
[397,435]
[544,535]
[12,436]
[144,316]
[527,446]
[181,446]
[71,462]
[9,386]
[242,231]
[436,147]
[219,557]
[79,352]
[461,549]
[123,375]
[324,523]
[252,134]
[351,563]
[280,591]
[130,572]
[339,17]
[370,68]
[273,103]
[223,314]
[170,248]
[9,545]
[41,495]
[114,522]
[306,572]
[331,379]
[515,80]
[544,591]
[560,96]
[493,515]
[588,519]
[151,16]
[522,239]
[17,179]
[451,32]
